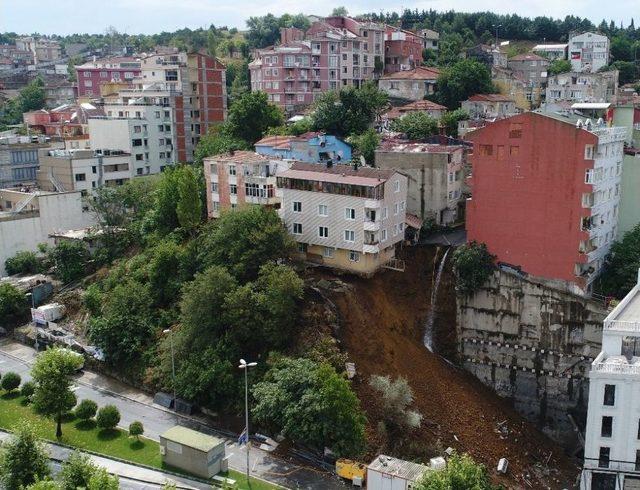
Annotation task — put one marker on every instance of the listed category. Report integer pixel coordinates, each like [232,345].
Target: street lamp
[35,327]
[497,26]
[173,369]
[246,365]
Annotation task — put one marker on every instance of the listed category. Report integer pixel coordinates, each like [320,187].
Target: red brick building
[94,73]
[545,194]
[402,50]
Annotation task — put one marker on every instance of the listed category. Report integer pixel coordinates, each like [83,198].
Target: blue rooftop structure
[308,148]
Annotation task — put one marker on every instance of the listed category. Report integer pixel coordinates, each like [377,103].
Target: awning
[413,221]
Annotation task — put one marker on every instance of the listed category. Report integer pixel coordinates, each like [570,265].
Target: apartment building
[414,84]
[588,51]
[19,159]
[489,106]
[489,56]
[527,96]
[241,178]
[63,121]
[310,147]
[402,50]
[42,50]
[530,67]
[432,109]
[430,39]
[335,52]
[612,435]
[582,87]
[545,194]
[93,74]
[434,177]
[551,51]
[344,217]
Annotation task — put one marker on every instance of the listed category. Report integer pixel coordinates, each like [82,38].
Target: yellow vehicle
[353,471]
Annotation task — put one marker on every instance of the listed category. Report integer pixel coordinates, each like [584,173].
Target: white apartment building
[239,178]
[588,51]
[612,438]
[344,217]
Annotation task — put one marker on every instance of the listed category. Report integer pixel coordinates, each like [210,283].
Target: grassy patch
[85,435]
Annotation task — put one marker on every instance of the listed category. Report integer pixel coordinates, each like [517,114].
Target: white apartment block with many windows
[612,441]
[588,51]
[342,216]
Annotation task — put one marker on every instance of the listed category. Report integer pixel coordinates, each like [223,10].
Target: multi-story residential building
[27,217]
[529,67]
[612,435]
[489,56]
[426,106]
[308,147]
[342,216]
[402,50]
[191,87]
[42,50]
[588,51]
[526,96]
[545,194]
[430,39]
[63,121]
[59,93]
[551,51]
[241,178]
[582,87]
[628,116]
[336,52]
[19,160]
[94,73]
[414,84]
[489,106]
[434,174]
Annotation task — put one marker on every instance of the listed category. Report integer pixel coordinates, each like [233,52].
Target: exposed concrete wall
[532,342]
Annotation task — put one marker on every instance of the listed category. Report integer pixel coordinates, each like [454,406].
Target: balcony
[371,225]
[616,365]
[372,204]
[370,248]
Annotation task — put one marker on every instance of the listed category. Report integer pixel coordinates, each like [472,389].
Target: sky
[152,16]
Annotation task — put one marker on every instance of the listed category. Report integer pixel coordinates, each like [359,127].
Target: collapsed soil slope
[381,327]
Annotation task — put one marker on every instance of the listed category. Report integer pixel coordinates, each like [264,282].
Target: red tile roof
[420,73]
[339,174]
[419,105]
[490,98]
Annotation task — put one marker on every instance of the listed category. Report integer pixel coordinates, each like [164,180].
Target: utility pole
[497,26]
[246,365]
[173,368]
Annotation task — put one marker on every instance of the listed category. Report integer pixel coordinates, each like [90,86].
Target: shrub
[86,409]
[473,265]
[22,263]
[28,388]
[13,302]
[108,417]
[10,381]
[136,429]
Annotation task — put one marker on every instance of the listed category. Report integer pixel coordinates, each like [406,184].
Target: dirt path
[382,324]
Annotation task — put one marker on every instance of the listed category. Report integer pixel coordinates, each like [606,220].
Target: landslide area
[382,323]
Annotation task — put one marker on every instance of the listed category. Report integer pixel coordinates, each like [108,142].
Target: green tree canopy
[32,97]
[23,459]
[13,304]
[461,473]
[251,115]
[461,80]
[473,265]
[559,66]
[24,262]
[76,471]
[189,207]
[70,259]
[218,140]
[366,145]
[621,268]
[416,125]
[450,120]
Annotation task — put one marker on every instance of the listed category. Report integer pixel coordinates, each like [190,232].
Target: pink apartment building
[94,73]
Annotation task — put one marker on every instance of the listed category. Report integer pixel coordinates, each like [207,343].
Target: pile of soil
[382,323]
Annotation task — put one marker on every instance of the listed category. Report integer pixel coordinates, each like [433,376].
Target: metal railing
[623,325]
[615,368]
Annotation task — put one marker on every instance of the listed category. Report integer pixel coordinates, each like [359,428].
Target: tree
[559,66]
[622,264]
[23,459]
[136,429]
[450,120]
[71,67]
[366,145]
[339,12]
[70,259]
[76,471]
[52,373]
[46,484]
[395,398]
[102,480]
[108,417]
[461,473]
[416,125]
[461,80]
[10,381]
[13,303]
[86,409]
[627,69]
[32,97]
[24,262]
[217,141]
[28,389]
[189,208]
[450,47]
[310,403]
[473,265]
[251,115]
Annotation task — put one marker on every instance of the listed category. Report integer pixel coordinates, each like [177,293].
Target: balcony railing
[623,326]
[615,368]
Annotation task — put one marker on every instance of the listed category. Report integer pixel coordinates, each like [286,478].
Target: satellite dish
[363,162]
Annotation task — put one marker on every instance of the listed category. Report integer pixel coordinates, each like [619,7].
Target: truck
[353,471]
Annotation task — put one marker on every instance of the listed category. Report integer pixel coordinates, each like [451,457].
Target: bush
[86,409]
[70,260]
[28,388]
[108,417]
[10,381]
[473,265]
[22,263]
[416,125]
[13,303]
[461,472]
[76,471]
[136,429]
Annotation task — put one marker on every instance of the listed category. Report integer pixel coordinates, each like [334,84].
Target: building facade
[434,178]
[582,87]
[628,116]
[551,51]
[612,435]
[413,85]
[308,147]
[432,109]
[94,73]
[19,160]
[489,106]
[402,50]
[342,216]
[430,39]
[588,51]
[550,208]
[530,67]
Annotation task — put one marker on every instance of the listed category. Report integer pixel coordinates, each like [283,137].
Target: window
[94,169]
[588,152]
[485,150]
[233,189]
[396,208]
[385,212]
[139,157]
[637,460]
[139,171]
[302,247]
[515,130]
[514,151]
[603,459]
[350,214]
[588,176]
[402,205]
[323,232]
[232,169]
[103,74]
[81,177]
[383,235]
[136,142]
[609,395]
[606,427]
[297,228]
[214,187]
[297,207]
[88,83]
[349,236]
[354,256]
[396,186]
[328,252]
[157,114]
[323,210]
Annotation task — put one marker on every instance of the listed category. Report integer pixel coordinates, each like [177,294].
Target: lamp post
[33,307]
[246,365]
[173,368]
[497,26]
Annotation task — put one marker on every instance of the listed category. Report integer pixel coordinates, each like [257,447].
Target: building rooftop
[528,57]
[490,98]
[543,47]
[238,157]
[398,467]
[191,438]
[406,146]
[284,142]
[338,174]
[420,73]
[626,316]
[419,105]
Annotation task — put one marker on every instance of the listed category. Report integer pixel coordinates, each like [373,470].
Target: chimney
[329,163]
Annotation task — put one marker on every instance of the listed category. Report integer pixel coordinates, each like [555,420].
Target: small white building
[551,51]
[588,51]
[387,473]
[612,436]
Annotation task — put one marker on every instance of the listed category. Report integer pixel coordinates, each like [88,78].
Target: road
[136,405]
